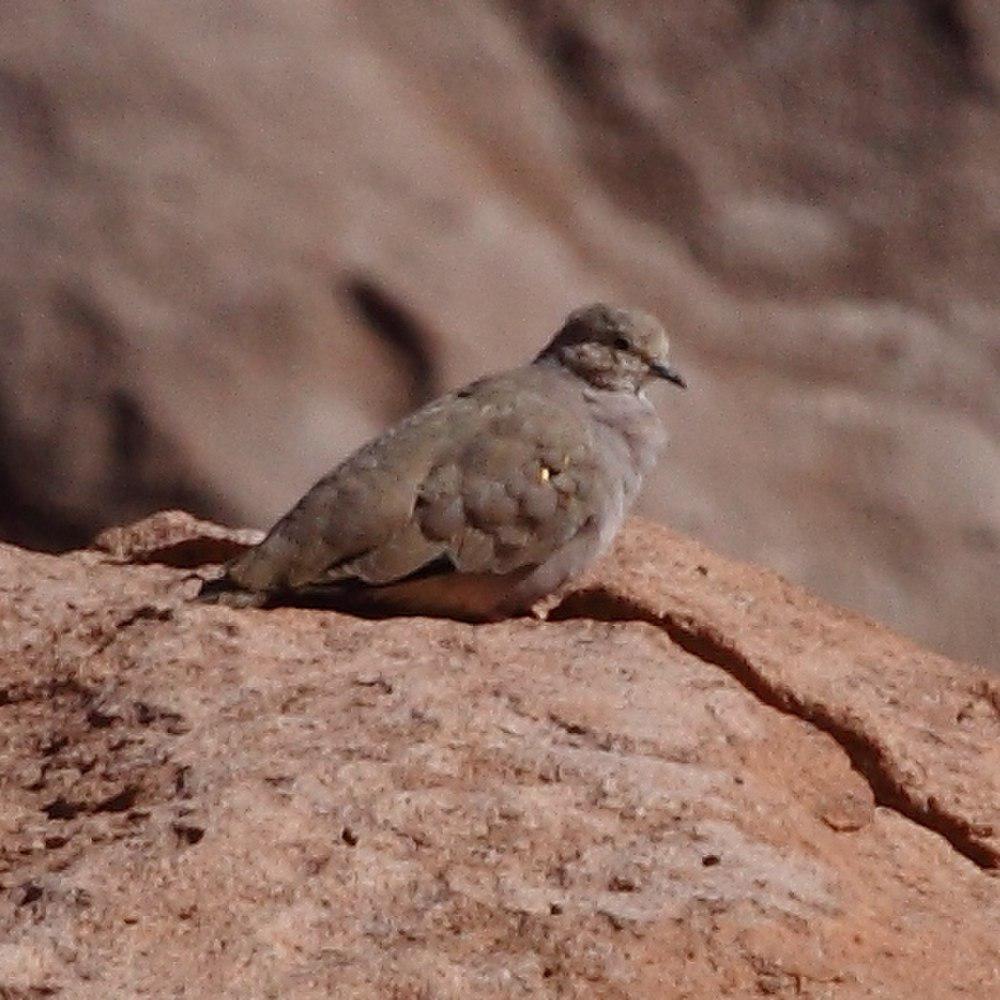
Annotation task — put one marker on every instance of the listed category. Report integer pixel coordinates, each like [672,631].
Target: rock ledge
[692,780]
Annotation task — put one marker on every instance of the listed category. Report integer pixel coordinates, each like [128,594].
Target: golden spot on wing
[545,474]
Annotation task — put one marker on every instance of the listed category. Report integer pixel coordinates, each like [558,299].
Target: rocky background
[693,781]
[241,236]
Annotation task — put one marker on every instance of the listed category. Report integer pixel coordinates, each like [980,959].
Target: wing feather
[492,481]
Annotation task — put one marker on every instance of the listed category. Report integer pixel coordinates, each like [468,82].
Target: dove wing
[504,499]
[489,480]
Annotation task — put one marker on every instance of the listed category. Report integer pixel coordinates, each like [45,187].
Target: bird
[484,501]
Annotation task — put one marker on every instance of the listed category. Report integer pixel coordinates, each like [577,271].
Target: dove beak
[668,373]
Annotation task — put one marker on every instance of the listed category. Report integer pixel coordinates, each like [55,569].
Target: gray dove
[484,501]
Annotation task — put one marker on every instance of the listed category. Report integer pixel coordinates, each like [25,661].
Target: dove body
[484,501]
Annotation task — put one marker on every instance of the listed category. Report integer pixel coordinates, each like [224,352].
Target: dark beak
[668,373]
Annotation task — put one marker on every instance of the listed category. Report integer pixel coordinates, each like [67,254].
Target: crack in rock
[867,755]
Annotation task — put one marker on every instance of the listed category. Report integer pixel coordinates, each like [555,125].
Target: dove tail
[229,593]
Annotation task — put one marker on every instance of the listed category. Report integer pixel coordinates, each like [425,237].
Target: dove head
[611,348]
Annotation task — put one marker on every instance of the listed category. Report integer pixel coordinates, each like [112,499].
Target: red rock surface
[240,237]
[693,780]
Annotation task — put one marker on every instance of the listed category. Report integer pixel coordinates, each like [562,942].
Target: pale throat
[632,419]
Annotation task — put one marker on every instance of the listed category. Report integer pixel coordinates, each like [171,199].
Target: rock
[786,242]
[693,778]
[175,538]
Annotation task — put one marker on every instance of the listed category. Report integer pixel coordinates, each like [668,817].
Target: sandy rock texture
[693,780]
[241,237]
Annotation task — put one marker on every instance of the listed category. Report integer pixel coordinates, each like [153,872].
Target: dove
[484,501]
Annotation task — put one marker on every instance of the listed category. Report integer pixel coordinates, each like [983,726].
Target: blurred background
[241,236]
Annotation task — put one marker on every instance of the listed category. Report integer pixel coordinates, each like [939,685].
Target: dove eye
[622,344]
